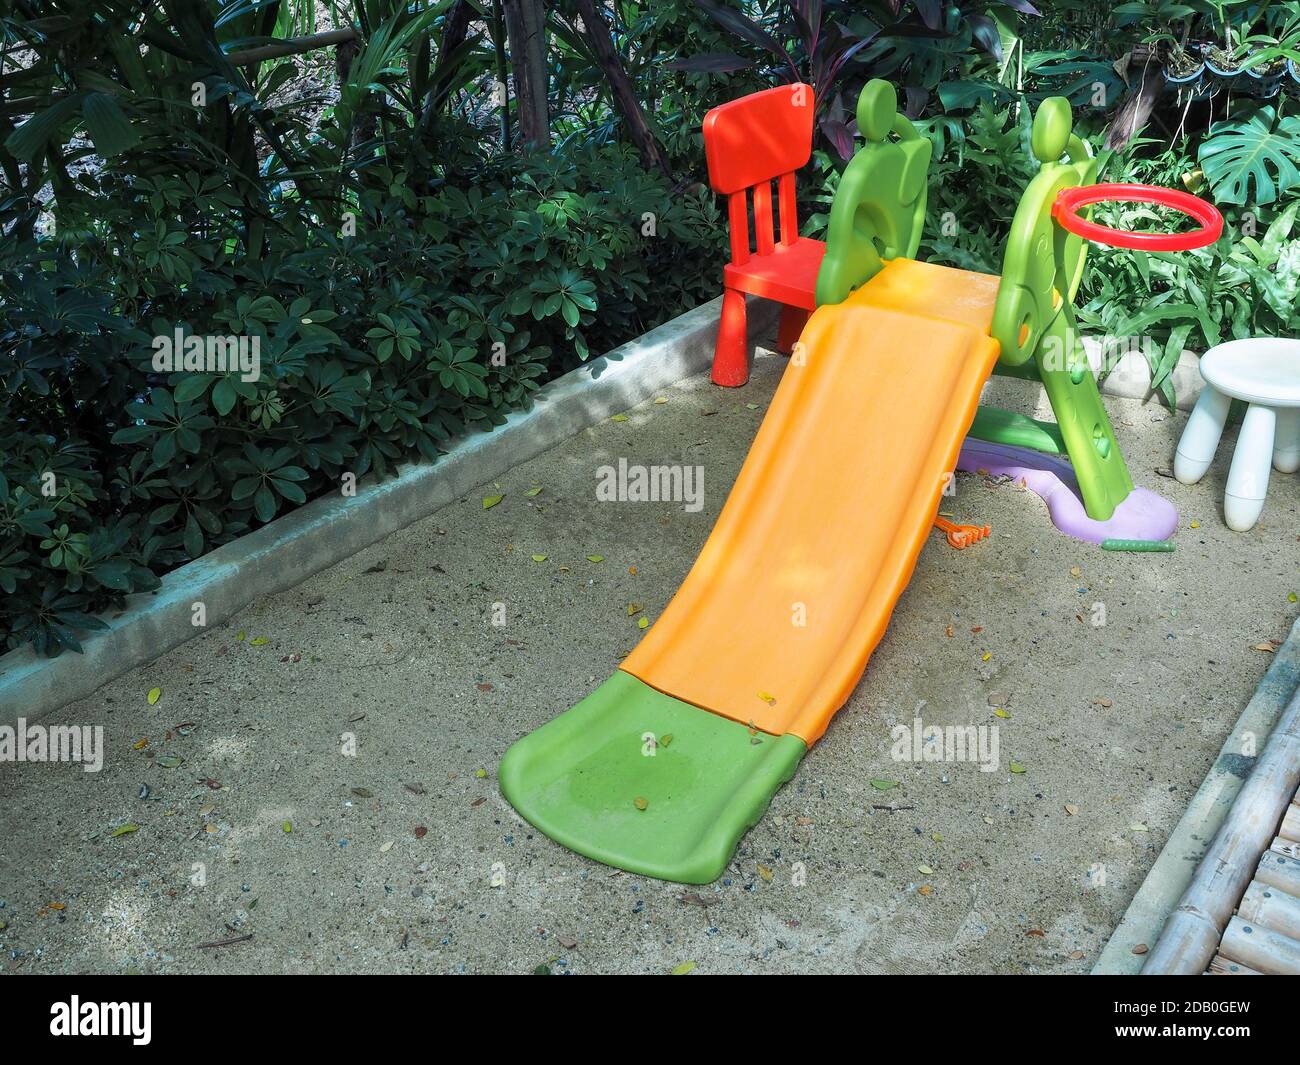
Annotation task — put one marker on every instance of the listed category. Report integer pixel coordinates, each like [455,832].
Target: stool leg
[1286,444]
[731,355]
[1248,477]
[1200,438]
[793,319]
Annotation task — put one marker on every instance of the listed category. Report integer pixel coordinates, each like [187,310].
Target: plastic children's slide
[663,767]
[773,627]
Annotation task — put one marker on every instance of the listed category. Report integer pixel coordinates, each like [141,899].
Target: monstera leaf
[1256,146]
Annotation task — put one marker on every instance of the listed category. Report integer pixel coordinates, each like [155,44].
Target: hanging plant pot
[1222,68]
[1185,73]
[1265,80]
[1292,79]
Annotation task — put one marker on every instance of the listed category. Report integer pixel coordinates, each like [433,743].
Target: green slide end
[642,781]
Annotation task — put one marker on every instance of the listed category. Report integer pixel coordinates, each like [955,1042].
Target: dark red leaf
[710,63]
[745,28]
[914,101]
[986,32]
[931,12]
[839,136]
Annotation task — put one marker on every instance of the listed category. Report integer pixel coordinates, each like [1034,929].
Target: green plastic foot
[999,426]
[644,782]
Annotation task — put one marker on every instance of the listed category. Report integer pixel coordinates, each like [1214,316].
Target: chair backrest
[750,142]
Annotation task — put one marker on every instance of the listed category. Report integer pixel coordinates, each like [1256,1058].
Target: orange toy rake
[961,536]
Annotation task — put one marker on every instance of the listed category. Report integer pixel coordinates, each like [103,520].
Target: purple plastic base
[1142,516]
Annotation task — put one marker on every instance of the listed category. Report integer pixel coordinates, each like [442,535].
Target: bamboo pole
[1280,872]
[1221,966]
[1194,929]
[1264,950]
[292,46]
[1288,847]
[1291,822]
[1271,908]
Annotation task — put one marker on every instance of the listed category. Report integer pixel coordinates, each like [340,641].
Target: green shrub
[375,349]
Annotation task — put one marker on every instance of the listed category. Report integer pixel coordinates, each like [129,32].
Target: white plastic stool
[1265,372]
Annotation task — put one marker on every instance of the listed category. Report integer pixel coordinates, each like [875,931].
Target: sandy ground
[401,855]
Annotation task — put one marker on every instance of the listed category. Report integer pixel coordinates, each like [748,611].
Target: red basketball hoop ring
[1068,202]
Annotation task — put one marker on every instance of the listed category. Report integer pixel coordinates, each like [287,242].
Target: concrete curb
[1130,378]
[290,549]
[1173,870]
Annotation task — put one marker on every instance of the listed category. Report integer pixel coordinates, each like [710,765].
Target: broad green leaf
[1278,231]
[223,396]
[114,573]
[108,125]
[1255,148]
[192,387]
[264,503]
[28,139]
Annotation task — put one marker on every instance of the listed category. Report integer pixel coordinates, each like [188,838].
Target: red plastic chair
[748,143]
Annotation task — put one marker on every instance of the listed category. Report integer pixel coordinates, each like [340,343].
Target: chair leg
[731,355]
[1201,435]
[793,319]
[1286,442]
[1248,474]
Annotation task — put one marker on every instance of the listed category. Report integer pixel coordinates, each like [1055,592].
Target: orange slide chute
[794,588]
